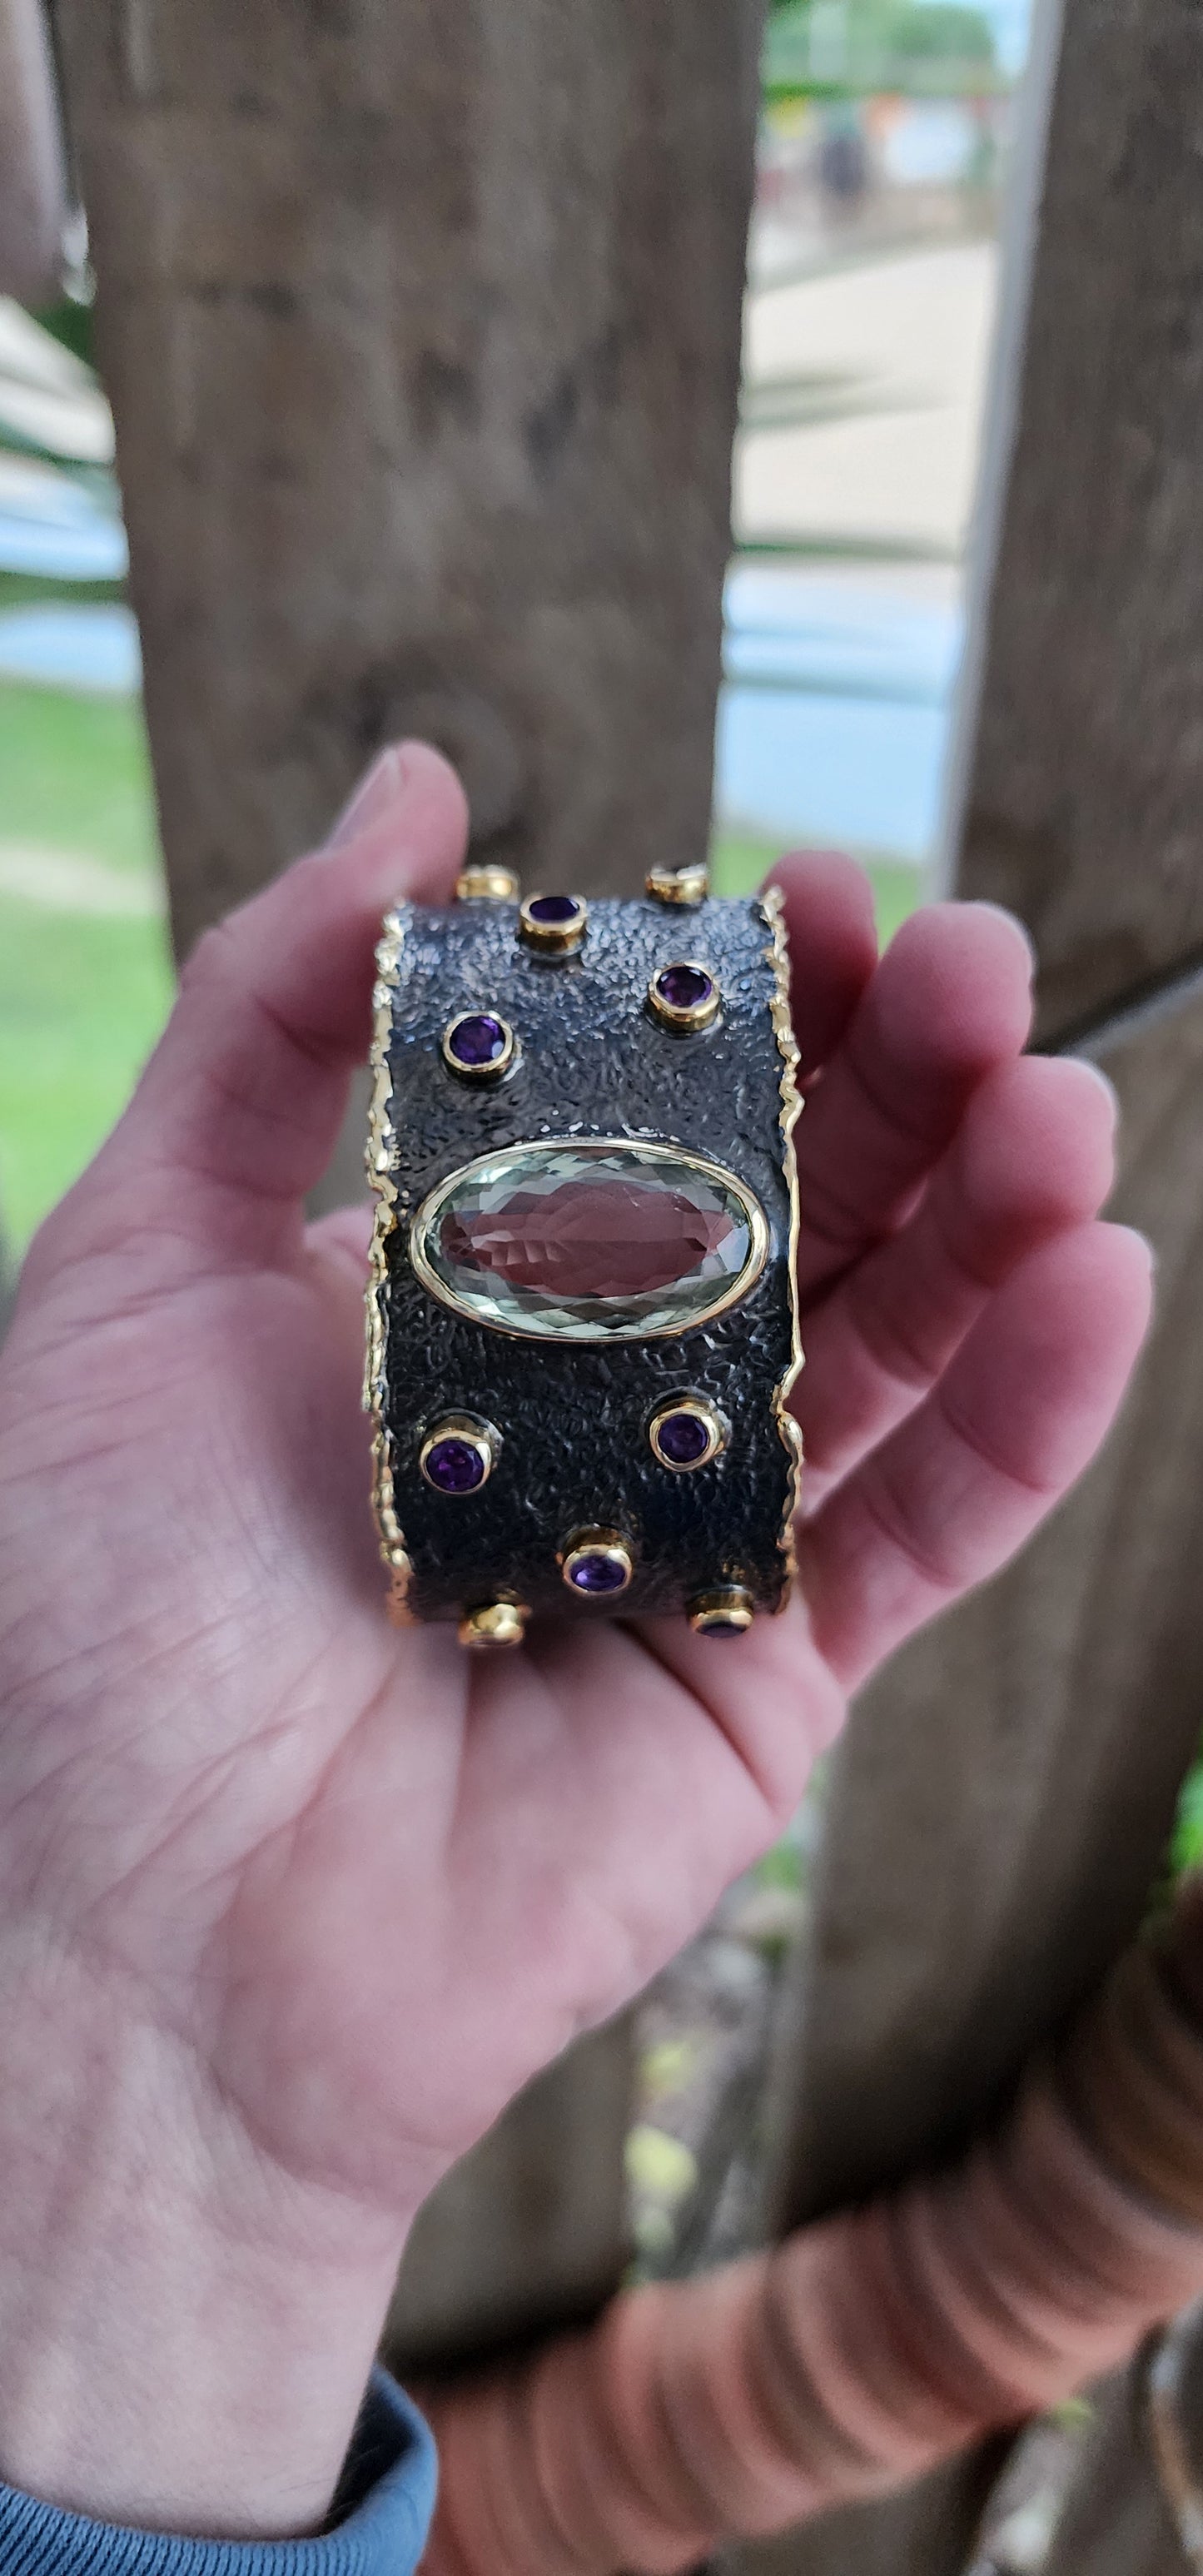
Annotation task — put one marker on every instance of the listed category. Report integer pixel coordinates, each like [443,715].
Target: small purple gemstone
[683,1438]
[725,1628]
[683,987]
[554,909]
[596,1572]
[455,1466]
[478,1039]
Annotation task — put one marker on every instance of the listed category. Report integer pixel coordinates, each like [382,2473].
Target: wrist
[185,2332]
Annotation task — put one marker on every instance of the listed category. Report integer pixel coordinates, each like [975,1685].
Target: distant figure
[843,159]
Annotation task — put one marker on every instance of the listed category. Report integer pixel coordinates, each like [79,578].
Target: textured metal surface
[573,1417]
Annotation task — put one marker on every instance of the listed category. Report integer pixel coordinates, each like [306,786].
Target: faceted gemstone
[683,987]
[553,909]
[595,1571]
[683,1438]
[589,1240]
[454,1466]
[479,1038]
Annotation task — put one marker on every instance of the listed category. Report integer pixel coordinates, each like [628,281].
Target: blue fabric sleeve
[387,2486]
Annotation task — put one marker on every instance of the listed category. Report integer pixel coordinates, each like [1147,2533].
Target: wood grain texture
[421,326]
[1000,1802]
[1086,778]
[529,2231]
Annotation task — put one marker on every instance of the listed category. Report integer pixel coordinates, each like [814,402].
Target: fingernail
[379,790]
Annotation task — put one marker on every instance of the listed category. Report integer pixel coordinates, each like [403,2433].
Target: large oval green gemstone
[592,1239]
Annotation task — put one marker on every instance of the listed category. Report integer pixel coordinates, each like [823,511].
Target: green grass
[739,860]
[81,1003]
[75,775]
[82,997]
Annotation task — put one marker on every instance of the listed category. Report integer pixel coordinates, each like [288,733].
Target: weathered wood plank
[1000,1803]
[1002,1797]
[33,183]
[1086,775]
[421,326]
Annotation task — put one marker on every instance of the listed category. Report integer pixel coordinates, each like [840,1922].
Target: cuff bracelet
[582,1317]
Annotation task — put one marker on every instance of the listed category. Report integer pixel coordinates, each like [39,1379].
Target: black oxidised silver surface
[573,1416]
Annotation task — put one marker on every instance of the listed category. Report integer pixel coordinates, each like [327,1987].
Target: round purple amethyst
[683,988]
[594,1571]
[682,1438]
[479,1039]
[454,1466]
[554,910]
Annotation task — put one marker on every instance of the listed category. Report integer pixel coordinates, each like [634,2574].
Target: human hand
[290,1902]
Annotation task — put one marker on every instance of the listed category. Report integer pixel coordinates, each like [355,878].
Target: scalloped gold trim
[381,1147]
[772,911]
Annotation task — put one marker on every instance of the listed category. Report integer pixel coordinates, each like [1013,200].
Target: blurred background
[881,168]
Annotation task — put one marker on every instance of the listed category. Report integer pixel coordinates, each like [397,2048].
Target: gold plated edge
[772,913]
[380,1153]
[656,1150]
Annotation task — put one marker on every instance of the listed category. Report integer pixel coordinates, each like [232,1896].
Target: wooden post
[421,326]
[1001,1803]
[1085,785]
[33,181]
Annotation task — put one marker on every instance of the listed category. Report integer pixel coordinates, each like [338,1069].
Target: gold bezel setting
[483,881]
[553,935]
[475,1309]
[607,1551]
[697,1409]
[727,1611]
[494,1623]
[684,1017]
[495,1068]
[469,1431]
[679,886]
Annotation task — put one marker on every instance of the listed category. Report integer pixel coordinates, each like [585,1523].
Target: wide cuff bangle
[582,1323]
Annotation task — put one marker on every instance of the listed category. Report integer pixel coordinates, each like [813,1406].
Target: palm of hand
[368,1882]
